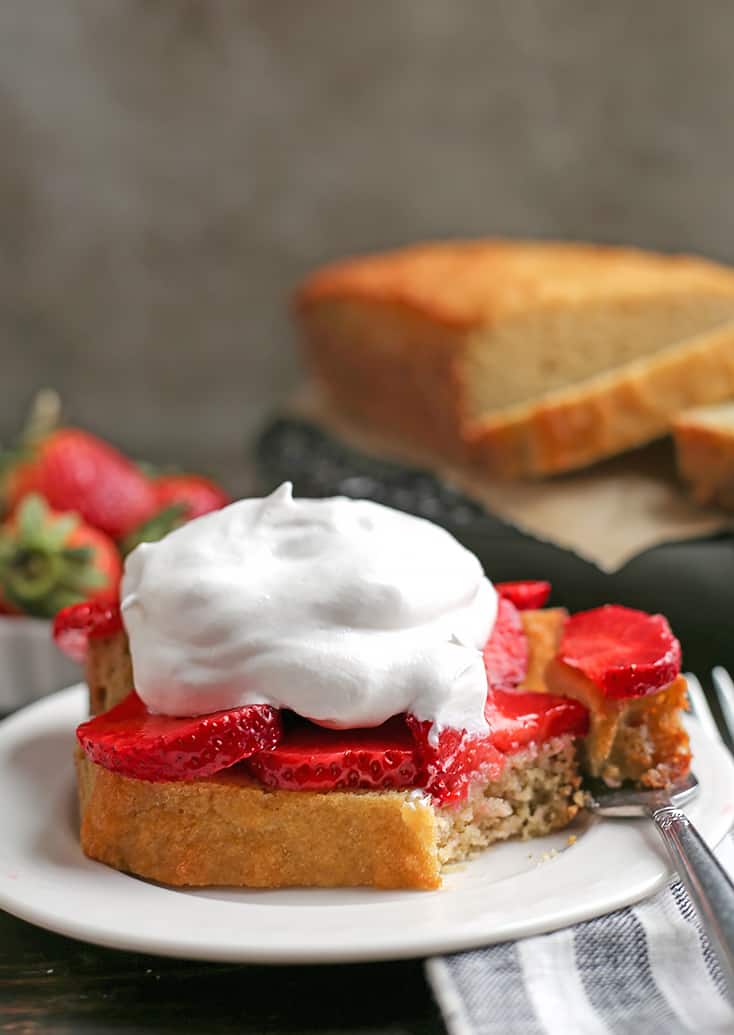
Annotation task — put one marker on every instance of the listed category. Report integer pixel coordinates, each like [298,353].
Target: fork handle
[706,881]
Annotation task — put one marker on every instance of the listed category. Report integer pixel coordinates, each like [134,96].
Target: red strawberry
[626,653]
[310,758]
[517,719]
[198,495]
[76,625]
[49,561]
[74,470]
[129,740]
[179,498]
[448,767]
[506,650]
[526,595]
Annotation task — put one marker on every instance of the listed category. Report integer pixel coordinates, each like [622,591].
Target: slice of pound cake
[330,693]
[704,445]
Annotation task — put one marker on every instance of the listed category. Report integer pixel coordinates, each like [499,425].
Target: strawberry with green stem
[74,470]
[179,498]
[49,561]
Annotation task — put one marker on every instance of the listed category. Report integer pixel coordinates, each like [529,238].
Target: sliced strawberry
[76,625]
[310,758]
[517,719]
[506,650]
[526,595]
[448,767]
[129,740]
[626,653]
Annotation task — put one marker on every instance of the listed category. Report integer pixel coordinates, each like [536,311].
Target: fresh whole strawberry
[310,758]
[74,626]
[506,650]
[49,561]
[525,595]
[179,498]
[626,653]
[129,740]
[196,494]
[74,470]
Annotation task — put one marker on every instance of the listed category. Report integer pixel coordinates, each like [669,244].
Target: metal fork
[706,881]
[724,689]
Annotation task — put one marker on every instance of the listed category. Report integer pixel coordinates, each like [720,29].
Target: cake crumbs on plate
[547,856]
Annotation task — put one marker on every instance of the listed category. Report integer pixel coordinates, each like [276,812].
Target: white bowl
[31,665]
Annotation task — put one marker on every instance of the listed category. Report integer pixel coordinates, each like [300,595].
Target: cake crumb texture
[538,792]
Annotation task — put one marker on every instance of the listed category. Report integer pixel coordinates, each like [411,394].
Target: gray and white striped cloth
[646,969]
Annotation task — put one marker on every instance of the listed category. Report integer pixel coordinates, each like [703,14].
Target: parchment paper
[606,514]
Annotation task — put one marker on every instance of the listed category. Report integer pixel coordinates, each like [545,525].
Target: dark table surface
[53,984]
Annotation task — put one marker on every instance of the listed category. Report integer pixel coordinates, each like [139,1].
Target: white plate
[511,890]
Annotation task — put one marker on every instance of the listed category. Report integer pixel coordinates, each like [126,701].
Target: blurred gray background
[169,169]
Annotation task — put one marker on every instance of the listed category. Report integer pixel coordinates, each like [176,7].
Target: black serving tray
[692,582]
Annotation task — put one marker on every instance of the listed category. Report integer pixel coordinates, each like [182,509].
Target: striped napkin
[647,970]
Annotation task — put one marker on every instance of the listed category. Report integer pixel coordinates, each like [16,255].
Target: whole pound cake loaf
[332,693]
[520,357]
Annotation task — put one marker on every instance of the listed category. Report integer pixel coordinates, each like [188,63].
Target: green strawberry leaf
[57,532]
[38,573]
[32,514]
[155,528]
[80,554]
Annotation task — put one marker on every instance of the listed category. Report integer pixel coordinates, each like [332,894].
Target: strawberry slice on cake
[129,740]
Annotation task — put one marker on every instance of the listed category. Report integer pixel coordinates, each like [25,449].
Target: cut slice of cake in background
[704,446]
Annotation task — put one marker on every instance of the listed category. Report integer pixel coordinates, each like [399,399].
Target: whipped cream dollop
[344,611]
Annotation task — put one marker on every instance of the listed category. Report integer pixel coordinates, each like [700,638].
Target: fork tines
[701,708]
[724,687]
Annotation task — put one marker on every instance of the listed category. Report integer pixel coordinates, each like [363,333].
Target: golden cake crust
[470,283]
[543,629]
[108,671]
[229,830]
